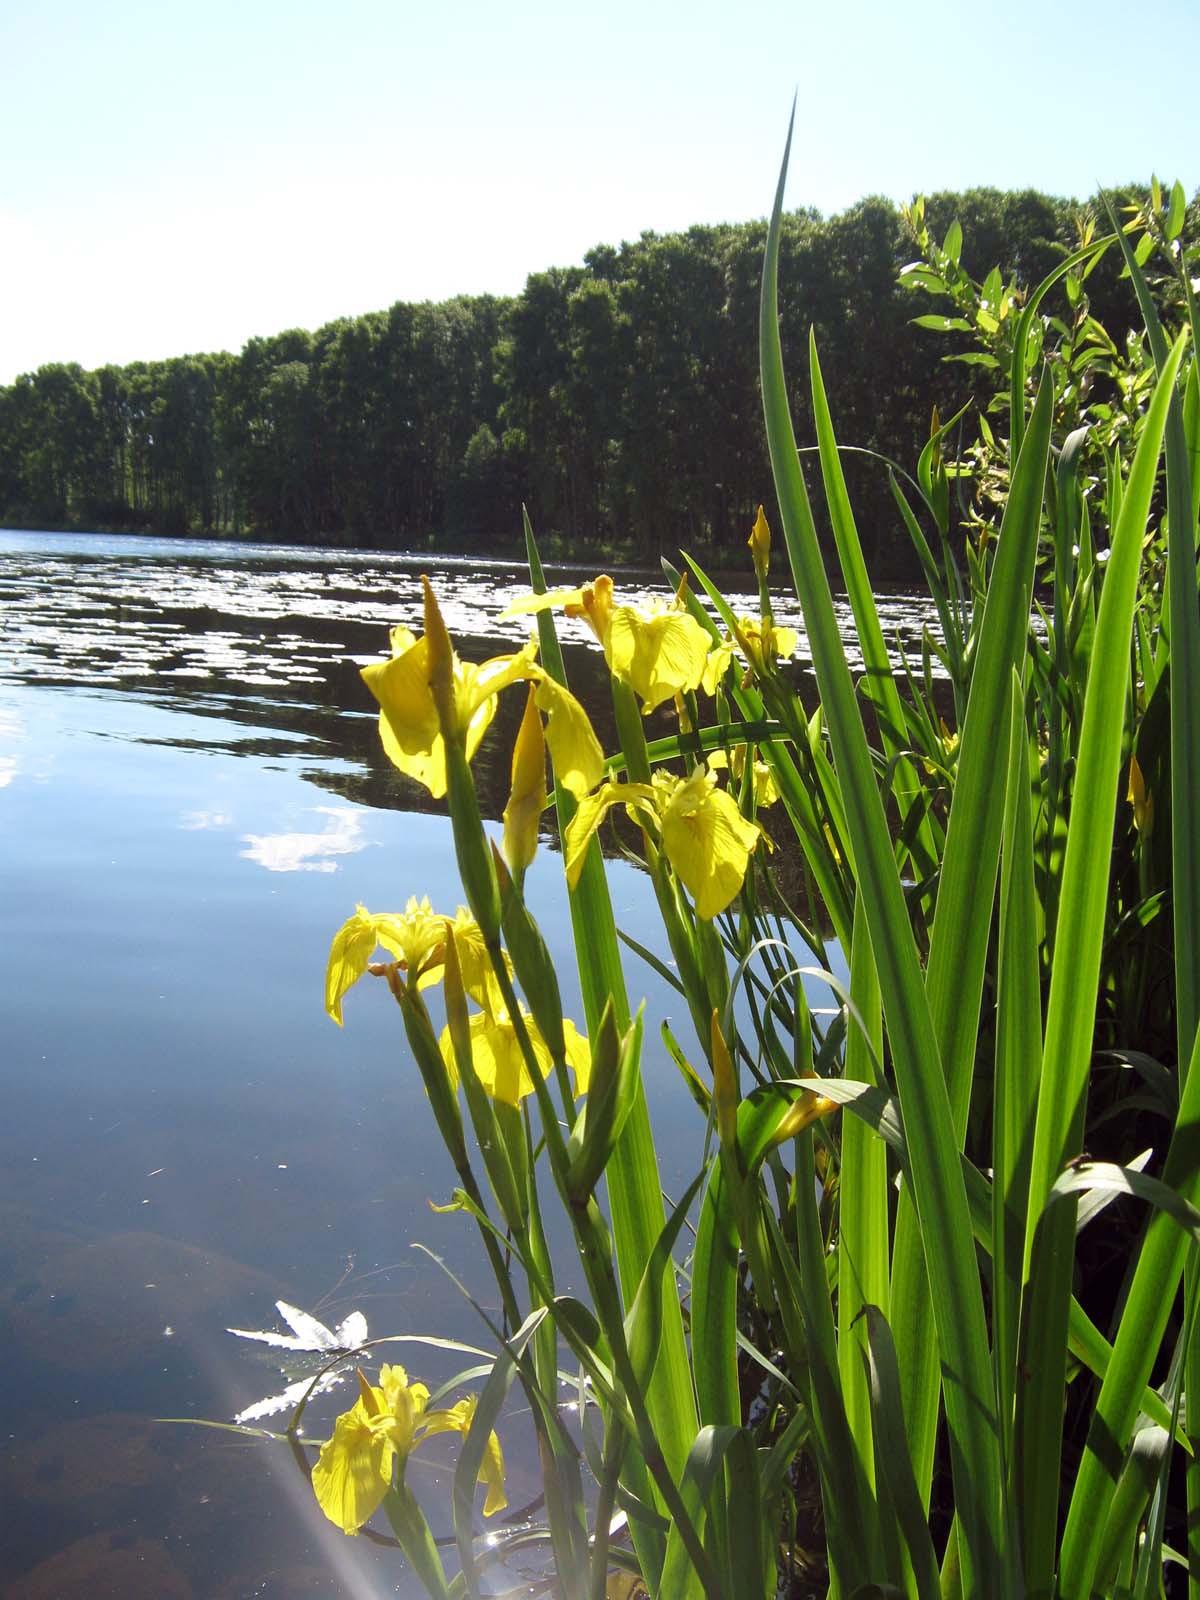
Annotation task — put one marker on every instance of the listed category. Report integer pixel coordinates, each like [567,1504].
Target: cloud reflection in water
[309,852]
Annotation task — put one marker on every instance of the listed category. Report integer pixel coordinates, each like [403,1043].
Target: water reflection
[193,798]
[308,852]
[270,639]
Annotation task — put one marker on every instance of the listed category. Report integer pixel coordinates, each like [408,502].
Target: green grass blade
[962,923]
[1018,1057]
[715,1262]
[852,1533]
[937,1180]
[1148,1306]
[1071,1011]
[863,1197]
[634,1188]
[958,942]
[880,685]
[1183,620]
[891,1443]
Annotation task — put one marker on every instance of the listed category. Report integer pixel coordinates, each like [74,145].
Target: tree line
[618,399]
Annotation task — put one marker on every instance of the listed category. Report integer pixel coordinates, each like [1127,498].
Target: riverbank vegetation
[933,1334]
[618,399]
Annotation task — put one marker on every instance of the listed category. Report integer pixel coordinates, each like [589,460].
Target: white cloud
[308,852]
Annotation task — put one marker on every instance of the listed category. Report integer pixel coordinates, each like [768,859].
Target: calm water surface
[191,800]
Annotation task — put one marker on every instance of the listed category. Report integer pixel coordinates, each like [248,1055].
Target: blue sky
[181,177]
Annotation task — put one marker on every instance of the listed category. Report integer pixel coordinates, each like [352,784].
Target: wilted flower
[387,1422]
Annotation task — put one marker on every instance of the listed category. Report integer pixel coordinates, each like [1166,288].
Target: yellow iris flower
[766,790]
[760,642]
[704,835]
[658,649]
[416,940]
[498,1059]
[354,1470]
[411,729]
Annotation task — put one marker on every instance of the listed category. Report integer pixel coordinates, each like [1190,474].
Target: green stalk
[962,919]
[1018,1054]
[634,1188]
[937,1180]
[862,1205]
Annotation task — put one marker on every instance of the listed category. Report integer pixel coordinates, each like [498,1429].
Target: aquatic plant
[1008,853]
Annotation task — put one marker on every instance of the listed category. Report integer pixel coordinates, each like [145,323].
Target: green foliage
[619,399]
[900,1362]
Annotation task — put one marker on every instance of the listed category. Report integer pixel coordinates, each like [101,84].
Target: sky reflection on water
[192,799]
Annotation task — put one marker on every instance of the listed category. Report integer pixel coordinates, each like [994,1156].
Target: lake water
[192,799]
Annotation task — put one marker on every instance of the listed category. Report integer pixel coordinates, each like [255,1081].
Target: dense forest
[618,399]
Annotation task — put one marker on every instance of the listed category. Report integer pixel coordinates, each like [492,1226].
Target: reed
[889,1203]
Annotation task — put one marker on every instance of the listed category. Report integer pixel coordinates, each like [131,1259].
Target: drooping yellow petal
[590,814]
[574,748]
[528,604]
[491,1472]
[413,938]
[458,1419]
[354,1470]
[593,602]
[475,965]
[349,953]
[706,838]
[715,666]
[408,719]
[659,655]
[527,797]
